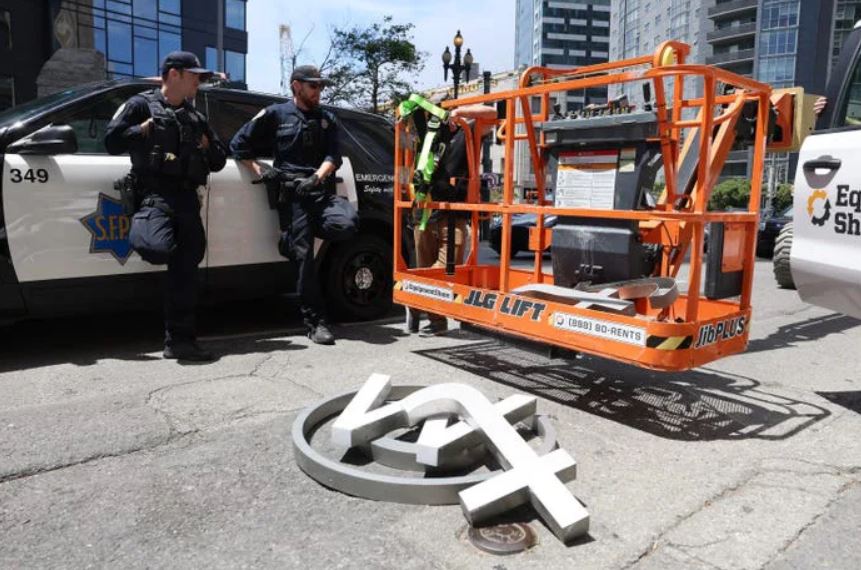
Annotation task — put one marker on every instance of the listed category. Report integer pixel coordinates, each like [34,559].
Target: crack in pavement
[42,470]
[681,549]
[695,546]
[656,541]
[836,471]
[840,492]
[162,442]
[255,372]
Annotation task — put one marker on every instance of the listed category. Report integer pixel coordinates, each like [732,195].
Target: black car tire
[497,247]
[358,279]
[782,247]
[763,251]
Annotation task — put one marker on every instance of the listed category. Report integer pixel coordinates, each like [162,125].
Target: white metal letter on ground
[527,477]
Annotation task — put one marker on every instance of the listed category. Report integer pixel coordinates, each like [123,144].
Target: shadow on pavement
[387,332]
[849,400]
[137,336]
[805,331]
[698,405]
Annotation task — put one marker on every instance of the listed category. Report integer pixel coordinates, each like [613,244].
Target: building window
[234,65]
[168,43]
[146,57]
[134,35]
[779,42]
[7,92]
[146,9]
[212,58]
[235,14]
[776,14]
[120,41]
[5,30]
[778,71]
[171,6]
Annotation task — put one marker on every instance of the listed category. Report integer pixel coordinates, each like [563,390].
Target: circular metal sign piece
[503,539]
[410,488]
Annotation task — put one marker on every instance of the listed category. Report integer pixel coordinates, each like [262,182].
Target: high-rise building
[564,35]
[846,14]
[639,26]
[781,42]
[130,36]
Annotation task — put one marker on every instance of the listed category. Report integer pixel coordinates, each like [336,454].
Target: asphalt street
[111,457]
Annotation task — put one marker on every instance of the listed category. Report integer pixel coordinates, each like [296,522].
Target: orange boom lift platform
[618,255]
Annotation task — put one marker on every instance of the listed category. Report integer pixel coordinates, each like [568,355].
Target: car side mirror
[49,140]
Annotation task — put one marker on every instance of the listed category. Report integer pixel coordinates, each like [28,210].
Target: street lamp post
[457,67]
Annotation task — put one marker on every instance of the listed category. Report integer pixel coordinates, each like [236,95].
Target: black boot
[320,333]
[187,350]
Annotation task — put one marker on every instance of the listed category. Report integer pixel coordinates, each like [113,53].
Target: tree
[735,193]
[731,193]
[782,196]
[372,65]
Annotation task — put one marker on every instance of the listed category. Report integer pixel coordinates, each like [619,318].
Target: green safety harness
[432,149]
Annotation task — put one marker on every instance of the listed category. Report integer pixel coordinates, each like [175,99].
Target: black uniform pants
[180,300]
[328,217]
[172,228]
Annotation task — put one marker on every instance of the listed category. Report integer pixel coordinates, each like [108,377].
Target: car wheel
[498,249]
[359,279]
[780,261]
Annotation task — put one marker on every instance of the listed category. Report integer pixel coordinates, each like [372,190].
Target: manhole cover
[501,539]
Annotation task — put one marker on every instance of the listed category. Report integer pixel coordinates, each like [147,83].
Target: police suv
[64,240]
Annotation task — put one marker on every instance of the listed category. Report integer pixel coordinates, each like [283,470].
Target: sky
[486,25]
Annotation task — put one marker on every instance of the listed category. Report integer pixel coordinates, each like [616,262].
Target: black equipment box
[603,162]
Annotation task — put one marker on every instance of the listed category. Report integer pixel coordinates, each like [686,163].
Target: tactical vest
[175,138]
[302,139]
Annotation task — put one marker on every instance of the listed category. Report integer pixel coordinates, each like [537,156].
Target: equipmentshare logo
[846,210]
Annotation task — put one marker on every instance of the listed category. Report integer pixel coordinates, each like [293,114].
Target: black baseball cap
[186,61]
[309,74]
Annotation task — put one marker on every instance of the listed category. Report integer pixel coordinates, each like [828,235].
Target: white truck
[819,252]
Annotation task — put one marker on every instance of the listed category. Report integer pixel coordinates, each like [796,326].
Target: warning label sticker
[439,293]
[586,179]
[598,328]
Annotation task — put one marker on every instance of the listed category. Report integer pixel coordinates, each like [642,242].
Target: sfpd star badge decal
[109,229]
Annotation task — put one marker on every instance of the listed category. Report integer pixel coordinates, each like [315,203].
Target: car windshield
[26,110]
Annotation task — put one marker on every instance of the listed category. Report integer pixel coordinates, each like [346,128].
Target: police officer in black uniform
[173,150]
[304,138]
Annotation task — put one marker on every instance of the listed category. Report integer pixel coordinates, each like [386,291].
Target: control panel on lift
[604,157]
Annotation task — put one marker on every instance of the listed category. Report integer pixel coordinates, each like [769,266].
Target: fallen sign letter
[527,477]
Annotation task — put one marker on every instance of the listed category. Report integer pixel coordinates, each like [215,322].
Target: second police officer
[304,138]
[172,150]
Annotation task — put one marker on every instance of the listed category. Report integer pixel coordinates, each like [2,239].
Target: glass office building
[133,35]
[640,26]
[564,35]
[136,35]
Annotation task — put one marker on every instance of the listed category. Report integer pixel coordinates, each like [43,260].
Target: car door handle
[823,162]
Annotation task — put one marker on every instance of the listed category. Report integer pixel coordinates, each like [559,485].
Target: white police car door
[63,216]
